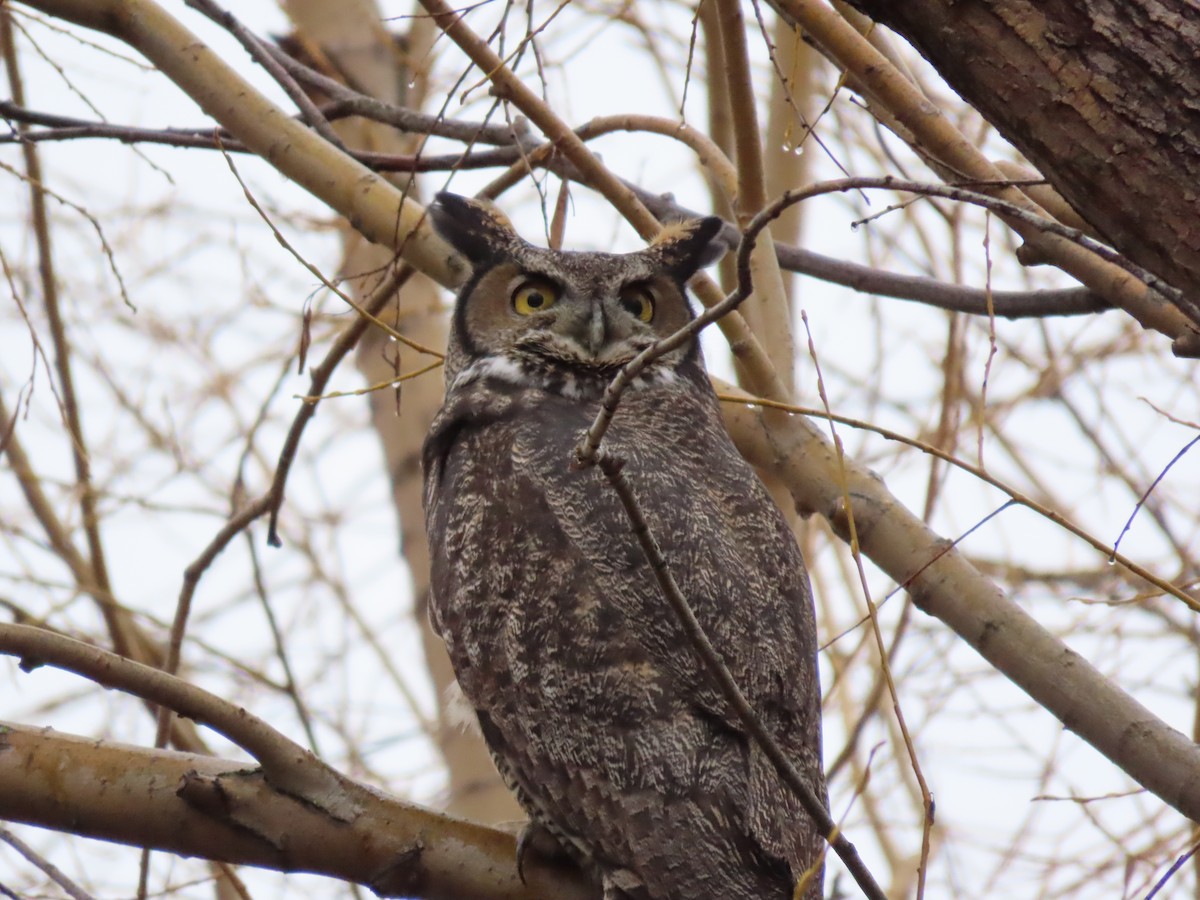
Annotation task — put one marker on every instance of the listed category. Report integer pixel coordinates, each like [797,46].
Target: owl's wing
[735,560]
[452,470]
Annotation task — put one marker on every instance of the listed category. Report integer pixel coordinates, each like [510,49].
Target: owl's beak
[596,331]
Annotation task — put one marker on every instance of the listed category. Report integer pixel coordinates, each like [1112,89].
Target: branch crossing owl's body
[595,705]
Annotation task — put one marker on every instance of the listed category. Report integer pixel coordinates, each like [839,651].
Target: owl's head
[562,320]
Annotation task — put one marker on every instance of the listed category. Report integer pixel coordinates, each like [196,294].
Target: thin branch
[944,584]
[612,469]
[345,101]
[864,279]
[259,53]
[588,453]
[873,615]
[191,578]
[345,342]
[320,276]
[53,872]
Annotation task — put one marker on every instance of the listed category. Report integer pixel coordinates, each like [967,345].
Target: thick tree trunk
[1103,96]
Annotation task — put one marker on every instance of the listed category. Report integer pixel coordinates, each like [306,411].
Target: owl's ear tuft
[684,248]
[477,230]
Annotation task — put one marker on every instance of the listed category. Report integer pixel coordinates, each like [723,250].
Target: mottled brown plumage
[597,709]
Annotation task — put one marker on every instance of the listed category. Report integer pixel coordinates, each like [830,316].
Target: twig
[378,386]
[378,162]
[259,53]
[612,469]
[300,258]
[864,279]
[873,615]
[588,453]
[191,578]
[345,342]
[345,101]
[1174,867]
[53,872]
[1142,500]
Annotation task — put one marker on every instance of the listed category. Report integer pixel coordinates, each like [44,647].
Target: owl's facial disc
[585,319]
[601,329]
[567,322]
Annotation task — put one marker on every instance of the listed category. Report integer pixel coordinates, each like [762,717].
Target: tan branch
[937,136]
[944,584]
[375,207]
[221,810]
[767,310]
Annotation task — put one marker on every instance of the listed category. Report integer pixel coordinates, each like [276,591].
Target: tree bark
[225,810]
[1103,96]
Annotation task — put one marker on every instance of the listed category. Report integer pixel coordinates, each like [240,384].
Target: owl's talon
[542,842]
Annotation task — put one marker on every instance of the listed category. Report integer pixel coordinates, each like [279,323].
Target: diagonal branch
[941,581]
[612,468]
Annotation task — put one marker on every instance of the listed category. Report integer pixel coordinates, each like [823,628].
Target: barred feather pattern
[597,709]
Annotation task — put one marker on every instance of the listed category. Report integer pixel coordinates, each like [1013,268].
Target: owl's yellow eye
[534,297]
[638,303]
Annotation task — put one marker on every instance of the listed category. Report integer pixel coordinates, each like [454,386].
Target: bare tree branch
[1124,151]
[1005,304]
[222,810]
[937,136]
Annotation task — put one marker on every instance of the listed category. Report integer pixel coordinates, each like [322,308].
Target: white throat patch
[522,373]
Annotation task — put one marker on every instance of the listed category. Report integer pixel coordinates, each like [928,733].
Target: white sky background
[215,294]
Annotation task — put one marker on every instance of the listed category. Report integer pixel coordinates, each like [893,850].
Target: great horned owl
[596,707]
